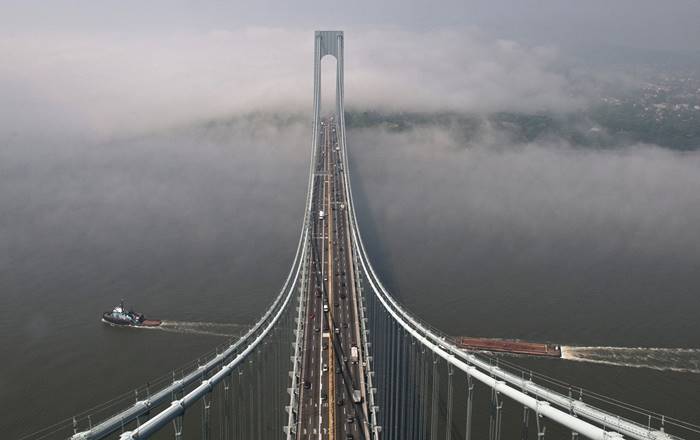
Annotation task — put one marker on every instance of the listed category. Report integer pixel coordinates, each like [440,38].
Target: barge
[513,346]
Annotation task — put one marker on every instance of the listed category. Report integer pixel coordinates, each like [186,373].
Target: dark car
[307,385]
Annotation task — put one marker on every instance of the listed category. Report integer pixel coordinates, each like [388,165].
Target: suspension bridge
[336,356]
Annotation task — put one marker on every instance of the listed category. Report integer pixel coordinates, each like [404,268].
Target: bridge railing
[611,413]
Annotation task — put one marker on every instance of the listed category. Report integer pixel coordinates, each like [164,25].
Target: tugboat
[128,318]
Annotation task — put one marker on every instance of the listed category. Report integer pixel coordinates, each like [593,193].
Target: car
[349,437]
[324,396]
[336,304]
[350,420]
[343,296]
[345,325]
[307,385]
[325,367]
[325,345]
[317,329]
[337,331]
[341,402]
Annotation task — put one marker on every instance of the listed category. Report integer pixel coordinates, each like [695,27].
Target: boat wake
[684,360]
[223,330]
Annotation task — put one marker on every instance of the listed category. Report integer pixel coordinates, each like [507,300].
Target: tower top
[329,43]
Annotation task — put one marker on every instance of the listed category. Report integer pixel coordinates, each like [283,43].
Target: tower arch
[328,43]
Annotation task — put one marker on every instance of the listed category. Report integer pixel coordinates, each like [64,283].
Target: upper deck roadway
[329,372]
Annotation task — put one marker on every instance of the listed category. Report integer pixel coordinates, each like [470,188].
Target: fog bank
[111,84]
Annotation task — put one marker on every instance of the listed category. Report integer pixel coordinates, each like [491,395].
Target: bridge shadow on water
[371,236]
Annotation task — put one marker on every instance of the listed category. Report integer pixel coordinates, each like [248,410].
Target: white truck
[354,354]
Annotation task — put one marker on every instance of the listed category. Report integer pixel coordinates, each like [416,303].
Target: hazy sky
[637,23]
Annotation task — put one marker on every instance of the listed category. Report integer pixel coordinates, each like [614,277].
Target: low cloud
[634,198]
[530,230]
[110,84]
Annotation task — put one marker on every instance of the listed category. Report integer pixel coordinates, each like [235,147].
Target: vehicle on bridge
[353,353]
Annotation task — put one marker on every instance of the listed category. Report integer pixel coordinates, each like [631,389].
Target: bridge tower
[327,43]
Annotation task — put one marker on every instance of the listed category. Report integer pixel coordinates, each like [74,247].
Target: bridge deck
[329,372]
